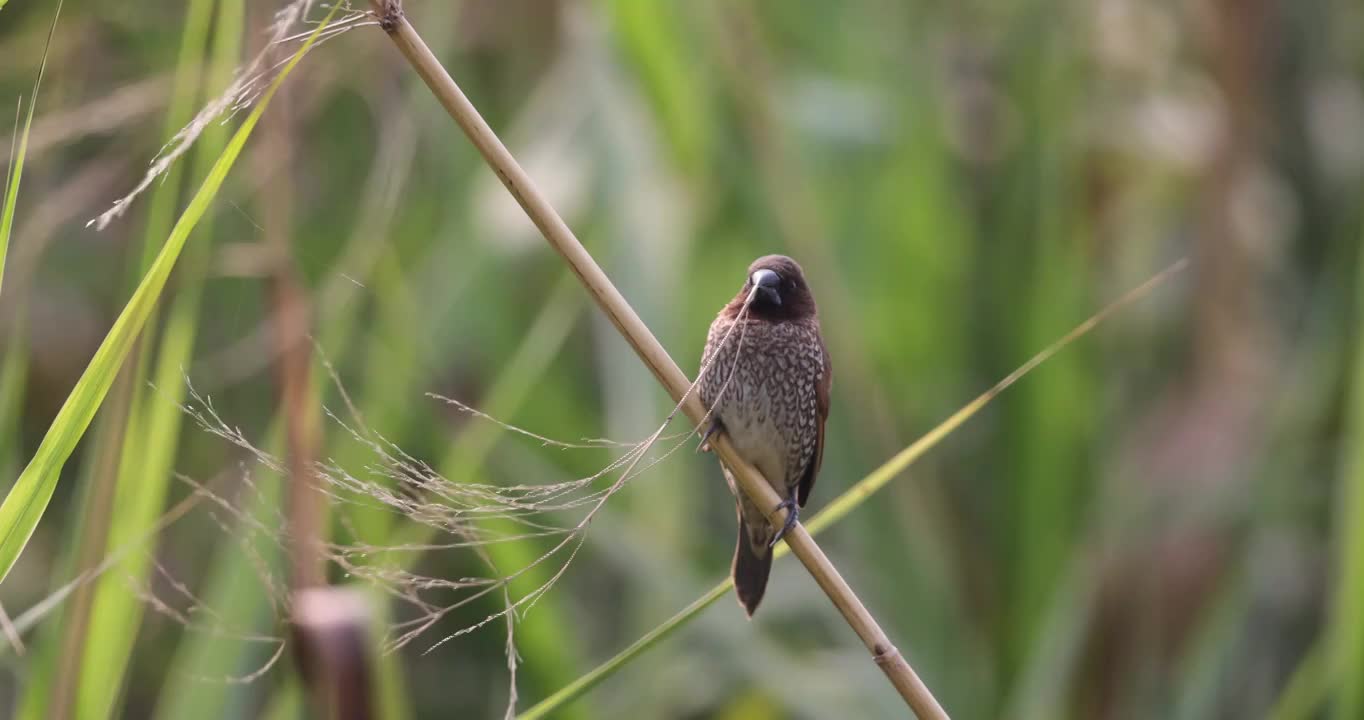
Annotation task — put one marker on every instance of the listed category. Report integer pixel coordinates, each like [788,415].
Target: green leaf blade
[26,502]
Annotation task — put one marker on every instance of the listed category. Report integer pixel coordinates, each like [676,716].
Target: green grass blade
[27,500]
[1214,647]
[848,501]
[50,661]
[16,169]
[43,665]
[1345,629]
[578,687]
[653,35]
[149,452]
[13,371]
[1306,690]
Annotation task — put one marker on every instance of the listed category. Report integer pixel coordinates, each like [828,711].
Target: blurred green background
[1167,520]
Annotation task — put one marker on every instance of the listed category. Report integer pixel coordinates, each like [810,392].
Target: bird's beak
[767,283]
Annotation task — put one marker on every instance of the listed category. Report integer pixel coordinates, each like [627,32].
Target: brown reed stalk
[291,320]
[331,629]
[635,332]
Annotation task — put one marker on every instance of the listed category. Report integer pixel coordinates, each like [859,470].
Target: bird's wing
[822,390]
[706,384]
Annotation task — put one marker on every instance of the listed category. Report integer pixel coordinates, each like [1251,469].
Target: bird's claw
[792,517]
[715,427]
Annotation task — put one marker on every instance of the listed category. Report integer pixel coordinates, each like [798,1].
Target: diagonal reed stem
[635,332]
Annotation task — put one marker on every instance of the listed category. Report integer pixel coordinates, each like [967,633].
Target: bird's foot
[792,517]
[715,427]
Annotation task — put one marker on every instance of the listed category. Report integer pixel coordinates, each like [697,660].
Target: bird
[765,380]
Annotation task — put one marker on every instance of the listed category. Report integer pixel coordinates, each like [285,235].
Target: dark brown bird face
[781,290]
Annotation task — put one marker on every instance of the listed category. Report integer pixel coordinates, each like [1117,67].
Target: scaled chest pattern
[769,407]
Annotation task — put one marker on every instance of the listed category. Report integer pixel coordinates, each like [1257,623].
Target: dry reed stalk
[291,319]
[331,632]
[635,332]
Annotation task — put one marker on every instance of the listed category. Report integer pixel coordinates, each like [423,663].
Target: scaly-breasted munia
[767,385]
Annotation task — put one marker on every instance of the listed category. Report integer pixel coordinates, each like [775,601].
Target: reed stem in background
[289,306]
[332,632]
[623,316]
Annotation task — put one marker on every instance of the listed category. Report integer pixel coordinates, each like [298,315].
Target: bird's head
[778,288]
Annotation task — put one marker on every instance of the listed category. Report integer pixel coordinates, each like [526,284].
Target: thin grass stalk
[622,315]
[1307,687]
[16,166]
[576,689]
[13,376]
[41,664]
[14,367]
[1219,638]
[1344,644]
[113,463]
[95,533]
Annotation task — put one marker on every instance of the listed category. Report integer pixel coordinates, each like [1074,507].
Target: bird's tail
[752,564]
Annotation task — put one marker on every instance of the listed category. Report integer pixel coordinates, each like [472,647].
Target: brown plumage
[773,409]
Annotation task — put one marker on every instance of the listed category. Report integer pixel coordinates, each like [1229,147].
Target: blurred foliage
[1164,521]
